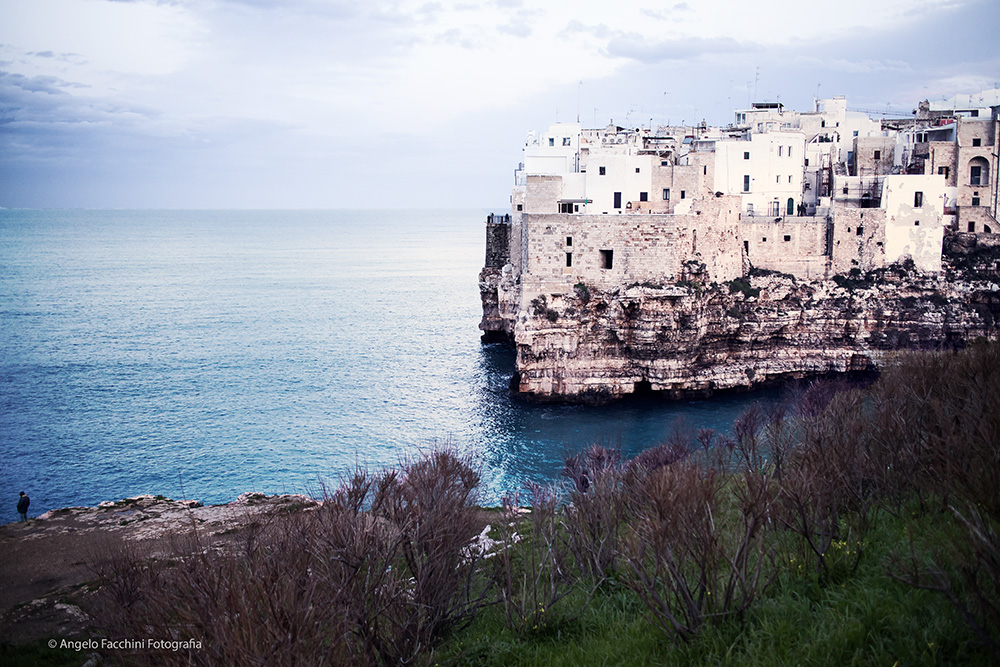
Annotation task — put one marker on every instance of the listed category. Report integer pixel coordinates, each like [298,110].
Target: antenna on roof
[578,87]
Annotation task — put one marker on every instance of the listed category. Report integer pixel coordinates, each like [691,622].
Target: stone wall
[796,245]
[858,239]
[497,244]
[614,249]
[543,194]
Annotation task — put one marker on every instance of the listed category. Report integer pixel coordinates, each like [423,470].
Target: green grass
[860,617]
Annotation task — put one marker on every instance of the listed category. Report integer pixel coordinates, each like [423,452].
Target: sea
[204,354]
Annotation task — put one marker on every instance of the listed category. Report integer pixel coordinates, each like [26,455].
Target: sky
[399,104]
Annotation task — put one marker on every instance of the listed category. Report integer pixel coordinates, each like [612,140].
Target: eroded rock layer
[693,339]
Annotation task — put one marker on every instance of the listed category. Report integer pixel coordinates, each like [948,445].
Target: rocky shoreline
[46,574]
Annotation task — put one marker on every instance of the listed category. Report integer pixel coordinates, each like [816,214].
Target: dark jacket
[22,504]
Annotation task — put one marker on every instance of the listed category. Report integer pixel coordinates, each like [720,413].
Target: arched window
[979,171]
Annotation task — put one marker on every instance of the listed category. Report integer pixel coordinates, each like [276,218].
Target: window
[974,113]
[861,231]
[643,196]
[789,178]
[975,201]
[569,259]
[569,240]
[972,226]
[552,141]
[977,142]
[520,207]
[976,175]
[807,162]
[704,170]
[664,163]
[780,149]
[618,200]
[877,155]
[637,170]
[918,199]
[666,194]
[607,259]
[683,194]
[916,223]
[746,182]
[789,151]
[777,179]
[943,171]
[566,141]
[565,207]
[601,171]
[746,155]
[763,239]
[787,238]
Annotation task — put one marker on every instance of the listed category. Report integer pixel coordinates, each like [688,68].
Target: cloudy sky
[396,104]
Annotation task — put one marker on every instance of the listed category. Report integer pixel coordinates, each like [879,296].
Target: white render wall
[914,231]
[775,166]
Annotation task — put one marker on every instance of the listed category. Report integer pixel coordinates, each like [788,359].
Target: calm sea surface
[201,354]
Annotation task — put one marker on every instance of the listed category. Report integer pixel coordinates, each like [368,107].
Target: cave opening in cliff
[642,388]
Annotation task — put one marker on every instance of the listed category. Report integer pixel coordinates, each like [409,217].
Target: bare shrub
[825,477]
[432,505]
[584,465]
[691,560]
[972,584]
[255,605]
[594,521]
[662,455]
[951,404]
[375,575]
[533,560]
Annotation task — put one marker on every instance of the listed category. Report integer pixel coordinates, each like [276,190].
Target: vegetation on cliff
[857,526]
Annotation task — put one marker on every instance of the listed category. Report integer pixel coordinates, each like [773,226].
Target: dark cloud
[639,48]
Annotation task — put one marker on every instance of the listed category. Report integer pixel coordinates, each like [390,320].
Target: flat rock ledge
[46,571]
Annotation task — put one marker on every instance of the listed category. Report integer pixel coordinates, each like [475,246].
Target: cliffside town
[788,244]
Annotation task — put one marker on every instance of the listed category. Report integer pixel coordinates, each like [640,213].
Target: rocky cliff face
[692,339]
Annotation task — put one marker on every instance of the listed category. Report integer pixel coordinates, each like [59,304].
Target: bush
[376,575]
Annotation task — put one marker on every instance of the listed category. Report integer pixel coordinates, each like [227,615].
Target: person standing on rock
[22,506]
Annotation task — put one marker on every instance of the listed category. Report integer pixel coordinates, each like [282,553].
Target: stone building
[959,140]
[810,194]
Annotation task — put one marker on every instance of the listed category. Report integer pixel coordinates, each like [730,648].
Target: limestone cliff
[688,338]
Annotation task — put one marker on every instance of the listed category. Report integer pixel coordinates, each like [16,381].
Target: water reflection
[523,441]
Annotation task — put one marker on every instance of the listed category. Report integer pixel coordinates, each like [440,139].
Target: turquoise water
[201,354]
